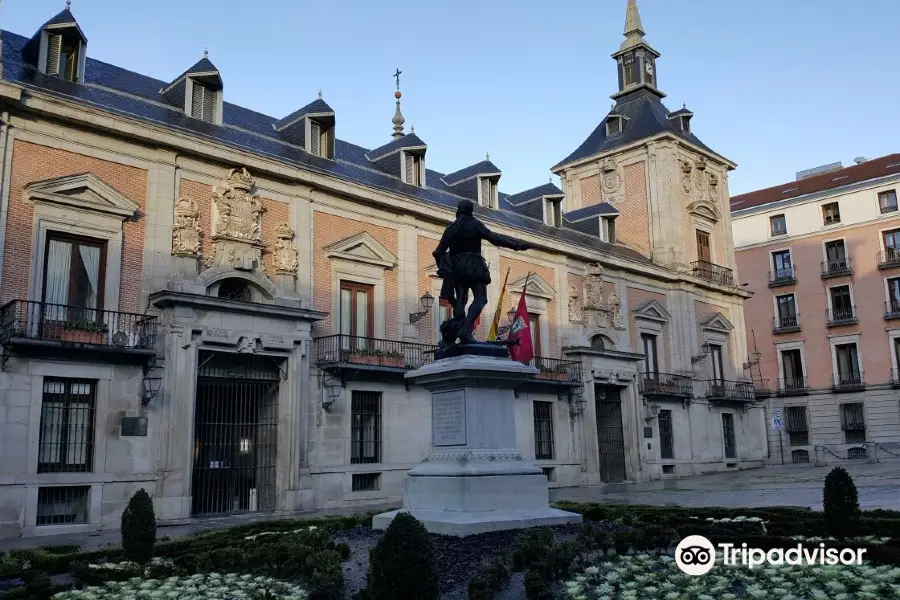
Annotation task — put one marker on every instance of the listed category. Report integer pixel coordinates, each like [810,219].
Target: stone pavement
[787,485]
[779,485]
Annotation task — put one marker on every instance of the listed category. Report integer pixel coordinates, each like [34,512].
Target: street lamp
[333,388]
[427,300]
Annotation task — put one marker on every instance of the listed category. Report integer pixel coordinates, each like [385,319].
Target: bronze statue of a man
[462,267]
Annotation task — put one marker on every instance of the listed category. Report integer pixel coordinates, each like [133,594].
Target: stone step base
[461,524]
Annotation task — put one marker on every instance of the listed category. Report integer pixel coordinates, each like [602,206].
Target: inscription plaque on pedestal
[448,419]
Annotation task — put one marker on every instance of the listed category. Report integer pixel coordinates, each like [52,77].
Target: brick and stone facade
[229,272]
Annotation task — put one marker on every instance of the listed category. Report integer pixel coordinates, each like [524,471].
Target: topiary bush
[139,528]
[841,504]
[402,565]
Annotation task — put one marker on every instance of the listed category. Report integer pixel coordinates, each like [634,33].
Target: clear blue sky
[776,85]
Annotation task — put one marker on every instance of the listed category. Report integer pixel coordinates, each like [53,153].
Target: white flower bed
[208,586]
[866,539]
[647,577]
[294,531]
[738,519]
[129,566]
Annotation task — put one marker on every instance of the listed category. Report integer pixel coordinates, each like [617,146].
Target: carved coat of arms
[610,179]
[601,309]
[186,229]
[238,211]
[285,254]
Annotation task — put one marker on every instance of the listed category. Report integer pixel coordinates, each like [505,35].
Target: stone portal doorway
[235,429]
[610,433]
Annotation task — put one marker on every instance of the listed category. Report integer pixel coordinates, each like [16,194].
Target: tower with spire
[398,119]
[635,59]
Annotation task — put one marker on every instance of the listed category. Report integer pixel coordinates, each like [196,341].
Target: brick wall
[637,298]
[517,270]
[328,229]
[633,223]
[32,163]
[590,191]
[704,312]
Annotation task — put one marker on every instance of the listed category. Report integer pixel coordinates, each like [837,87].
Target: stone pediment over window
[537,287]
[705,209]
[653,311]
[718,323]
[362,248]
[84,192]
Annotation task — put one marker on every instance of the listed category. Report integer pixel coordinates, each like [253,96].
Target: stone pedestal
[474,479]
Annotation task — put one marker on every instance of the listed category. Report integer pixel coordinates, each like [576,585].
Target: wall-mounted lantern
[427,300]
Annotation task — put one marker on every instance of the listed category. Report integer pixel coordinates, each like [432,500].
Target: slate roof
[480,168]
[63,17]
[316,107]
[410,140]
[871,169]
[594,210]
[528,203]
[647,116]
[122,92]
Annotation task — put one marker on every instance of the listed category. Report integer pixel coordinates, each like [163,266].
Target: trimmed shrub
[536,587]
[841,504]
[402,565]
[139,528]
[531,546]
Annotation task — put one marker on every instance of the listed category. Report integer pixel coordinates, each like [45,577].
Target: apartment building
[821,255]
[220,306]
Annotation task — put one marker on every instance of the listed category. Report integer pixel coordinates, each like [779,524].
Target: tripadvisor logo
[696,555]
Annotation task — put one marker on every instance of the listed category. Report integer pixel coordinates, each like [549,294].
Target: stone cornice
[168,298]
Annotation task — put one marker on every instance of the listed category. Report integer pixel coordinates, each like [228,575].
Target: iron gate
[235,428]
[610,434]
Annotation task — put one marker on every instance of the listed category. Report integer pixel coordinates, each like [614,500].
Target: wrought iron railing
[31,320]
[796,384]
[848,381]
[374,352]
[889,258]
[785,276]
[836,267]
[557,369]
[723,389]
[841,316]
[666,384]
[892,309]
[783,324]
[713,272]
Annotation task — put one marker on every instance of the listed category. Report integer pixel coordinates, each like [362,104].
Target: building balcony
[848,382]
[793,386]
[67,331]
[557,371]
[779,277]
[836,268]
[666,384]
[891,310]
[888,259]
[338,352]
[713,272]
[786,324]
[723,390]
[836,317]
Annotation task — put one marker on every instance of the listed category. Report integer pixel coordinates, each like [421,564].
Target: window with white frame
[841,302]
[786,311]
[74,273]
[321,139]
[777,225]
[831,213]
[608,229]
[204,100]
[887,201]
[847,364]
[717,362]
[794,377]
[893,295]
[487,192]
[414,169]
[553,209]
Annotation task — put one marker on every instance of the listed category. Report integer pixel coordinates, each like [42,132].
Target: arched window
[234,288]
[597,342]
[800,456]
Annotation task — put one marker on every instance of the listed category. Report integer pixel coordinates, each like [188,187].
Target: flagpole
[495,324]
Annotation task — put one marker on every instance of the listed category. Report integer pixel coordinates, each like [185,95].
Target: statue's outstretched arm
[503,241]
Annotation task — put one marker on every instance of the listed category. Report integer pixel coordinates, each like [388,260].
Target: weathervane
[397,75]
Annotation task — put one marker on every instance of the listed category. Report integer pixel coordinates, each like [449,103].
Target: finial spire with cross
[398,119]
[320,93]
[206,52]
[68,4]
[397,75]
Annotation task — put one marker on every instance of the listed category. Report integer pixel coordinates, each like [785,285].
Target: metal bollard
[820,456]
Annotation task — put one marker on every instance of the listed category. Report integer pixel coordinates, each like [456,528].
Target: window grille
[62,505]
[856,453]
[728,433]
[365,429]
[798,430]
[365,482]
[66,442]
[543,430]
[799,456]
[853,422]
[666,435]
[668,469]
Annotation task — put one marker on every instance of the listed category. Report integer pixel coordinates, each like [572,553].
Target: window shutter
[315,139]
[410,168]
[485,191]
[209,104]
[197,101]
[53,49]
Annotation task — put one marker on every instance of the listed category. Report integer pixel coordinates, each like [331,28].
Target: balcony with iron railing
[371,354]
[889,258]
[836,317]
[891,310]
[793,386]
[761,389]
[557,371]
[666,384]
[785,276]
[785,324]
[713,272]
[848,382]
[48,327]
[837,267]
[724,390]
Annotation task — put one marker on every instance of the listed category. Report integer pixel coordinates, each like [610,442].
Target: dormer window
[615,124]
[553,212]
[321,138]
[608,229]
[413,169]
[203,102]
[64,56]
[487,192]
[685,124]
